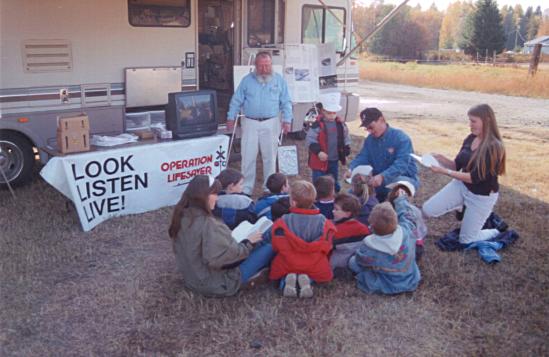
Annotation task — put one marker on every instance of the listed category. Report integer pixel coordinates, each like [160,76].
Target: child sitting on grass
[302,240]
[325,193]
[420,231]
[350,232]
[232,205]
[366,196]
[278,187]
[385,261]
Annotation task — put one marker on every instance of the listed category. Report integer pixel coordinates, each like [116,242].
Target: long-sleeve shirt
[389,155]
[261,99]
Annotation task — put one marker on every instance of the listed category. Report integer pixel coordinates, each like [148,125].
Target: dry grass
[479,78]
[115,291]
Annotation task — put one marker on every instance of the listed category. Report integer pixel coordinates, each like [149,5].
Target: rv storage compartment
[158,116]
[138,121]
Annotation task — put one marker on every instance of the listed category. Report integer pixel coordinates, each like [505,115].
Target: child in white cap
[328,139]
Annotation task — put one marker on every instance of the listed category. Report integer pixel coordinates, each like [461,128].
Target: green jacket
[204,246]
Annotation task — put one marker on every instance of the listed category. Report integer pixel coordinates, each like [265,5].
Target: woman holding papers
[210,259]
[475,173]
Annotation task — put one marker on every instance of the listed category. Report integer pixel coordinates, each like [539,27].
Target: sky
[443,4]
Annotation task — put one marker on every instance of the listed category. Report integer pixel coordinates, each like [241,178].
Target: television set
[192,114]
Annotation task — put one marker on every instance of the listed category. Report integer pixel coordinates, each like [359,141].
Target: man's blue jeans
[333,169]
[258,259]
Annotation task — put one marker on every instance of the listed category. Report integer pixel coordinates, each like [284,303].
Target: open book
[426,160]
[360,169]
[245,228]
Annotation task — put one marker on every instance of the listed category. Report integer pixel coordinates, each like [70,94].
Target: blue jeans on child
[258,259]
[333,169]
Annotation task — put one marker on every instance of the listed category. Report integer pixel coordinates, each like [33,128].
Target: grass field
[114,291]
[479,78]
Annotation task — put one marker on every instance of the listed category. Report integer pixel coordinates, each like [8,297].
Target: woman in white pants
[475,173]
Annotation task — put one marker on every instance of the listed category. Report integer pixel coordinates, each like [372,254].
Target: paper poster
[301,72]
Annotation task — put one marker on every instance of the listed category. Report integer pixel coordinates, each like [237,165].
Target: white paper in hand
[245,228]
[426,160]
[360,169]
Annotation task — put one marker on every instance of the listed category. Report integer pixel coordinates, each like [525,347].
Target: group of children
[317,231]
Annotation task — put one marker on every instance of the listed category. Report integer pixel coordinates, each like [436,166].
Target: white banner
[134,179]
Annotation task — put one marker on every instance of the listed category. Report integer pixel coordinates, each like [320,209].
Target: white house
[529,46]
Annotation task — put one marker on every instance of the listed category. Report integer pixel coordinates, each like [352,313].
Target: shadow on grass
[115,291]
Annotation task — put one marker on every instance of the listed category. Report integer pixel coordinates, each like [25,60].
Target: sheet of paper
[426,160]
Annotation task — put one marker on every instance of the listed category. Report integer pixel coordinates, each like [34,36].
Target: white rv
[108,58]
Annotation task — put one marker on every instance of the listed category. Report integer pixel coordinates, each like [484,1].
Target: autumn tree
[483,30]
[401,37]
[430,20]
[452,24]
[543,29]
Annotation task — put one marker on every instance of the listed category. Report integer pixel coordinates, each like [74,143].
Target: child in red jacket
[302,240]
[350,232]
[328,140]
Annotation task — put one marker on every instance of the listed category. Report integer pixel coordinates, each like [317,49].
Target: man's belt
[260,119]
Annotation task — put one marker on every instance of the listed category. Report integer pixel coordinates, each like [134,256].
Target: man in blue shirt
[388,151]
[261,95]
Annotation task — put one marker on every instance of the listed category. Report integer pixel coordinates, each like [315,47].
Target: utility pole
[516,37]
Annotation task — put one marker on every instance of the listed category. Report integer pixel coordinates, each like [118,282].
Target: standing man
[388,151]
[261,95]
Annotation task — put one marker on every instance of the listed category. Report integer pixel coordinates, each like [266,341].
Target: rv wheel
[16,159]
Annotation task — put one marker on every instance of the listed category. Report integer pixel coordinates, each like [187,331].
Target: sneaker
[290,287]
[261,277]
[305,288]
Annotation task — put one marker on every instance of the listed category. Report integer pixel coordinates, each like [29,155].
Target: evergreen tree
[483,29]
[509,27]
[524,24]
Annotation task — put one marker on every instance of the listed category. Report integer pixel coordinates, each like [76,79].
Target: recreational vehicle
[112,59]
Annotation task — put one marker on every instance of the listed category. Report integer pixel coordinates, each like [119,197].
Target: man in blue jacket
[261,95]
[388,151]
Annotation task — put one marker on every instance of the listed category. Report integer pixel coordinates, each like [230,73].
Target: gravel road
[403,101]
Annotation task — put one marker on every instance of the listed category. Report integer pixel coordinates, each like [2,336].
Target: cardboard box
[80,122]
[73,134]
[73,141]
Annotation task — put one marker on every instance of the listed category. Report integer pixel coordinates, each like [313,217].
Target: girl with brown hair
[211,261]
[475,172]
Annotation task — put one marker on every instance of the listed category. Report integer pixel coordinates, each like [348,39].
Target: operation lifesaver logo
[181,172]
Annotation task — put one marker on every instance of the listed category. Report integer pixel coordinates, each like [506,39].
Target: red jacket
[294,255]
[342,150]
[350,230]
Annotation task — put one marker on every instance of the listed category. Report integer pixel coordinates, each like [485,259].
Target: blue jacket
[380,272]
[389,155]
[261,100]
[234,208]
[263,205]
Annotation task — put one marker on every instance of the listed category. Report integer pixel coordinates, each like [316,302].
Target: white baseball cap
[330,101]
[404,183]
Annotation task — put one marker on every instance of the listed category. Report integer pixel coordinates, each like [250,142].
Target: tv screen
[192,114]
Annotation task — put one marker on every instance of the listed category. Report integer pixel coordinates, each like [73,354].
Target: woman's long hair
[195,195]
[360,187]
[489,157]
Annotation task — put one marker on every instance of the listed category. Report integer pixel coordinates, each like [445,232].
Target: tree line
[471,27]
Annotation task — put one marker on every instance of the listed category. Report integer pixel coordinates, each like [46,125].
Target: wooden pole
[534,60]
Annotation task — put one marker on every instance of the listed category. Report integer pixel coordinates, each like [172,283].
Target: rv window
[261,22]
[323,26]
[159,13]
